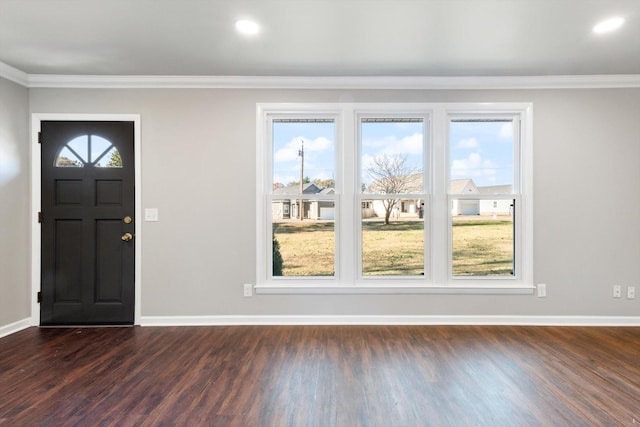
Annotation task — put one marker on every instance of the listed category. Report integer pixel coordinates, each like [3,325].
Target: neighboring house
[496,207]
[375,208]
[410,184]
[464,207]
[287,208]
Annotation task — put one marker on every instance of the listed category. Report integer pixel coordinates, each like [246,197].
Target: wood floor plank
[321,376]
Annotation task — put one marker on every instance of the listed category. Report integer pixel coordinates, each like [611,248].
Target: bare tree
[391,175]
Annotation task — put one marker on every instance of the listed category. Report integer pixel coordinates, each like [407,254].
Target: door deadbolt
[127,220]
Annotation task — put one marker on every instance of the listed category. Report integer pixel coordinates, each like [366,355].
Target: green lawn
[482,246]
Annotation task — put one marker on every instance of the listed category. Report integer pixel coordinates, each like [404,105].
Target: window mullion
[439,217]
[347,164]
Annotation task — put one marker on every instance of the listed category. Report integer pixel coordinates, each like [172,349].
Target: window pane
[392,156]
[98,147]
[395,248]
[481,156]
[482,237]
[67,159]
[80,147]
[303,150]
[303,248]
[111,159]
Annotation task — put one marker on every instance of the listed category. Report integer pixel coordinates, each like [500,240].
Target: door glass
[67,159]
[80,147]
[91,150]
[111,159]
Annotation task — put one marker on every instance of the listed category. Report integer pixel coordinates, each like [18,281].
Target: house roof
[460,186]
[457,186]
[496,189]
[408,184]
[308,188]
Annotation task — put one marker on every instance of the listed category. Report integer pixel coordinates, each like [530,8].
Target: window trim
[346,280]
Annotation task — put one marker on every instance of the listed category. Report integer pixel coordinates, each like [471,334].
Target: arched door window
[89,151]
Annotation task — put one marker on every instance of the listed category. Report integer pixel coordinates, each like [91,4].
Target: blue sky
[482,151]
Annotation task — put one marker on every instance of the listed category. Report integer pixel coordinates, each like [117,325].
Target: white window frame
[516,195]
[437,279]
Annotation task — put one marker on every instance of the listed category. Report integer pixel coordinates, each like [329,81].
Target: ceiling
[319,37]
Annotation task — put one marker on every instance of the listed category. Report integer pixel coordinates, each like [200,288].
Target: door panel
[87,192]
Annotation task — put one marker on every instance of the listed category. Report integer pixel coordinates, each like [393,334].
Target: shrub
[277,258]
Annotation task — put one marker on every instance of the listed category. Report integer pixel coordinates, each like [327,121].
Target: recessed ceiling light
[247,27]
[608,25]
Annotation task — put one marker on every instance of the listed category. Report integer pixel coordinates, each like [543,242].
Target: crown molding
[345,83]
[13,74]
[336,82]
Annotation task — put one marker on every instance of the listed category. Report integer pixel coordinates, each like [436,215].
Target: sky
[482,151]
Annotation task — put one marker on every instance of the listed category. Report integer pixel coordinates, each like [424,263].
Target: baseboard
[12,328]
[391,320]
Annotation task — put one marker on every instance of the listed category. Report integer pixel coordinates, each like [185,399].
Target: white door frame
[36,193]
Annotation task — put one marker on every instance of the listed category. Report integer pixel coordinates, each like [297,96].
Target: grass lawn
[482,246]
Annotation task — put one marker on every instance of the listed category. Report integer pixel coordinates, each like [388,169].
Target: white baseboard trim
[14,327]
[391,320]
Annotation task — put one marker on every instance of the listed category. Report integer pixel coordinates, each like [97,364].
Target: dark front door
[87,223]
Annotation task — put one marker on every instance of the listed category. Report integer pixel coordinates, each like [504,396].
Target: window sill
[272,289]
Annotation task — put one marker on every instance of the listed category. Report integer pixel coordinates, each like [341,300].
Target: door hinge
[40,217]
[39,297]
[39,137]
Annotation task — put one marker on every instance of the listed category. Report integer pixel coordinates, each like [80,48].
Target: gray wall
[15,230]
[198,157]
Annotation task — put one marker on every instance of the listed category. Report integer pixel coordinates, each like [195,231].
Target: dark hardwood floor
[321,376]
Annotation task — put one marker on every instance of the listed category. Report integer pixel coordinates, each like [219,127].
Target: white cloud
[472,166]
[290,151]
[366,162]
[287,154]
[391,145]
[467,143]
[506,131]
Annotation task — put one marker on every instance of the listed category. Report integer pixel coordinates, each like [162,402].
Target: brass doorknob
[127,236]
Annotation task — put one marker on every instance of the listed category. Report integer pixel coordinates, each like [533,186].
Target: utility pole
[301,154]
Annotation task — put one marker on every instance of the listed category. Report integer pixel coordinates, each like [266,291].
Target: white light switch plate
[151,214]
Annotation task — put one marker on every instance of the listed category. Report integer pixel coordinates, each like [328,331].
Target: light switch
[151,214]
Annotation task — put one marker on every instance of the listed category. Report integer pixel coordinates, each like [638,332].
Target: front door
[87,223]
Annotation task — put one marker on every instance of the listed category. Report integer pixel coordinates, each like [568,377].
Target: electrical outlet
[542,290]
[248,290]
[617,291]
[631,292]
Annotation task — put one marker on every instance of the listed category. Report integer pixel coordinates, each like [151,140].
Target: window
[303,196]
[392,153]
[481,178]
[394,197]
[88,150]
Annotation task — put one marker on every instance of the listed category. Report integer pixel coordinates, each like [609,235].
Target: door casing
[36,192]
